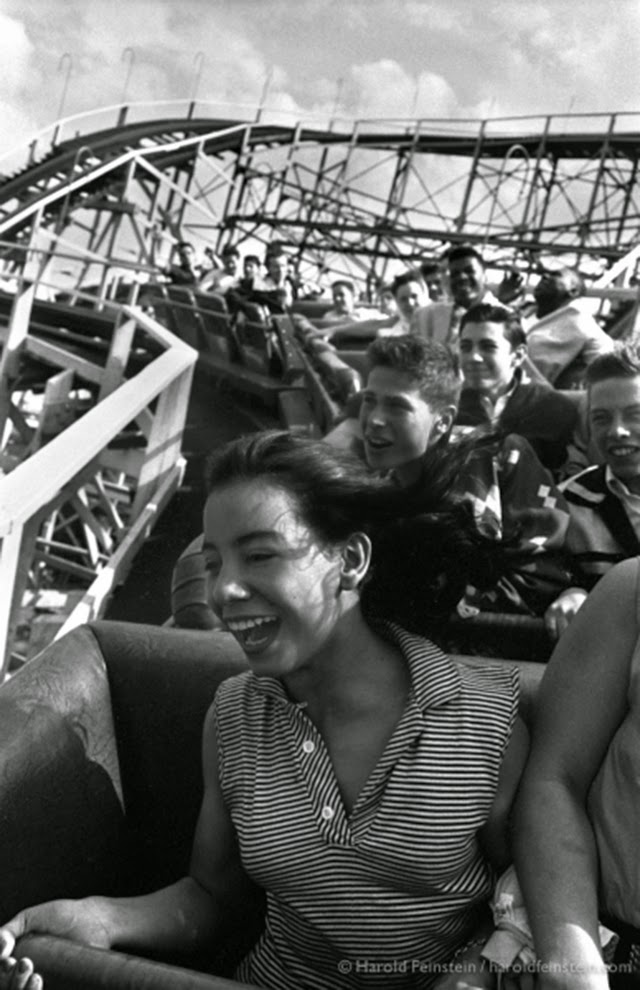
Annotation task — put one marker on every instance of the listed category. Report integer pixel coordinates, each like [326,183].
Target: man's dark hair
[429,267]
[622,362]
[508,318]
[463,251]
[433,367]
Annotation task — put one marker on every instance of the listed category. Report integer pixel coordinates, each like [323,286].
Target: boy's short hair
[508,318]
[229,251]
[622,362]
[344,283]
[433,367]
[405,278]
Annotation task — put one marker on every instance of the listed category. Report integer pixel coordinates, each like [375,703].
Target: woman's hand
[18,974]
[85,921]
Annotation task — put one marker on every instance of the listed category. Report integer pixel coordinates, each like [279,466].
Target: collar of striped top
[435,681]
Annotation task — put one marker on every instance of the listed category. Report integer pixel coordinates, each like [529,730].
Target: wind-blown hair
[425,545]
[434,367]
[622,362]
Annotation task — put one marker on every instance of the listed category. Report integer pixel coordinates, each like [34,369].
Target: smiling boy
[604,500]
[492,347]
[408,405]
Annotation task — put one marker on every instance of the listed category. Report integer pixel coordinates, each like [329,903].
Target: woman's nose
[227,586]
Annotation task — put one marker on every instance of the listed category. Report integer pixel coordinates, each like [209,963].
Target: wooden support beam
[94,602]
[119,352]
[54,416]
[165,441]
[16,555]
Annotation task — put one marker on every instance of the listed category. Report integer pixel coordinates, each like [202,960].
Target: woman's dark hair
[426,545]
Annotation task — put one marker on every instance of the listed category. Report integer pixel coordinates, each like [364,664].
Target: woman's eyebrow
[257,534]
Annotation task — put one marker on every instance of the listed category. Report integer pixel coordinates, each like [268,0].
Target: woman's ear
[356,558]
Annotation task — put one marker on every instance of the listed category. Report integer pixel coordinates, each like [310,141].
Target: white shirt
[629,499]
[568,336]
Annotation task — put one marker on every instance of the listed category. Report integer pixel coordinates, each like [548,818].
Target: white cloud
[385,89]
[500,57]
[15,52]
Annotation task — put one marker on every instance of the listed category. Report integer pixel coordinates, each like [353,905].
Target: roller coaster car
[100,788]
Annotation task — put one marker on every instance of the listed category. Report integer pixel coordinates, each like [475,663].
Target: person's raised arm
[582,702]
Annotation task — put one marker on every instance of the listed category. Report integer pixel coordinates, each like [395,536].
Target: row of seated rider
[564,536]
[542,395]
[562,336]
[505,489]
[273,282]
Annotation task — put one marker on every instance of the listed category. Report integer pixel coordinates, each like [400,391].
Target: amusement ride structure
[96,370]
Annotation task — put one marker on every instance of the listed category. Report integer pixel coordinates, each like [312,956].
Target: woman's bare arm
[582,702]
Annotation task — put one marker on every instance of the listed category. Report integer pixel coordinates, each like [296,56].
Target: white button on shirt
[308,746]
[327,812]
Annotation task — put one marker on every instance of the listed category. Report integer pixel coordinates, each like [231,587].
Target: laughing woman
[354,773]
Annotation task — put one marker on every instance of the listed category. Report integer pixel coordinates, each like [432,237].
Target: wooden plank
[165,441]
[61,358]
[54,414]
[119,352]
[16,554]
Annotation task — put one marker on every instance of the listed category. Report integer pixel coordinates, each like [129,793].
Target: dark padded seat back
[62,826]
[162,682]
[100,756]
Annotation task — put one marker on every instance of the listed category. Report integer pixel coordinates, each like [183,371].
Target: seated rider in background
[431,271]
[492,346]
[409,404]
[604,499]
[225,278]
[411,298]
[344,309]
[565,338]
[250,273]
[186,271]
[354,775]
[467,281]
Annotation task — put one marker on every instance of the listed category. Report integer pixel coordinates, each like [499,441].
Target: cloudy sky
[399,58]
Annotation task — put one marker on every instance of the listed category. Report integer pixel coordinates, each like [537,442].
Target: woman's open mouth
[254,633]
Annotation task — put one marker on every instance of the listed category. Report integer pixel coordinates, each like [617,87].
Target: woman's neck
[354,665]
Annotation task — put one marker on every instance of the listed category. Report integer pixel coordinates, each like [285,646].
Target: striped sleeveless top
[384,896]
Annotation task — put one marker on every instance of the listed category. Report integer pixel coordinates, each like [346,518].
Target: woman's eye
[259,557]
[212,566]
